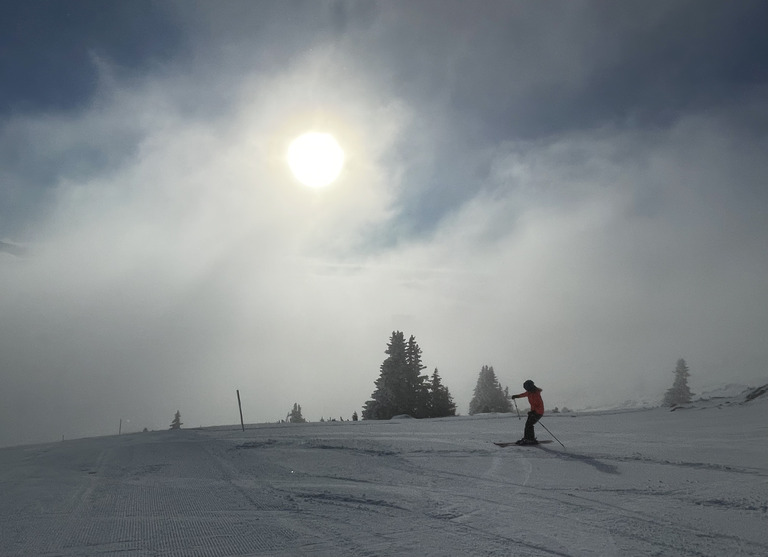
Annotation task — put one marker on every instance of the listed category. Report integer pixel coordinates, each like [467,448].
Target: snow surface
[643,482]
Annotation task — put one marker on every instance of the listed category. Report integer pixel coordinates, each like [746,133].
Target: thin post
[240,406]
[556,439]
[120,428]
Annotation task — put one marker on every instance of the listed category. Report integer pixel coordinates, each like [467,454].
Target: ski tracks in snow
[431,488]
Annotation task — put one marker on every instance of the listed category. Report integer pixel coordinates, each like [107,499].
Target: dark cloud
[48,49]
[510,71]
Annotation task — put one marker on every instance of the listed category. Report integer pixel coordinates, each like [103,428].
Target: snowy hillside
[640,482]
[731,391]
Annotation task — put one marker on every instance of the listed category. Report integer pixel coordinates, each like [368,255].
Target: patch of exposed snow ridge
[759,392]
[726,391]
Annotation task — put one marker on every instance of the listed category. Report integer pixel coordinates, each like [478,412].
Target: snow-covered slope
[730,391]
[727,396]
[641,482]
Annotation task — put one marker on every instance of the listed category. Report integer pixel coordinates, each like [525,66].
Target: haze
[569,192]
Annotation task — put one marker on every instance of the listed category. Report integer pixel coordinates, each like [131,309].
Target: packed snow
[693,481]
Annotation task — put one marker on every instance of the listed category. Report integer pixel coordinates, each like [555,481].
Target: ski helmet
[529,386]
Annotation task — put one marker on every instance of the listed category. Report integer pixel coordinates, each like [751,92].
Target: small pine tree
[440,400]
[294,416]
[176,423]
[489,396]
[679,393]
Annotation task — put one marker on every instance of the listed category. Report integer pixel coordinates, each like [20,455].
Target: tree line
[402,389]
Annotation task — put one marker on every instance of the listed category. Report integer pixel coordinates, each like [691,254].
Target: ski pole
[545,427]
[516,408]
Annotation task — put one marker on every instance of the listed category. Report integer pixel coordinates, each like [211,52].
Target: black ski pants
[533,417]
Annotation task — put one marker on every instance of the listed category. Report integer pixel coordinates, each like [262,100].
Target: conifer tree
[440,400]
[385,396]
[679,393]
[418,384]
[294,416]
[400,389]
[176,423]
[489,395]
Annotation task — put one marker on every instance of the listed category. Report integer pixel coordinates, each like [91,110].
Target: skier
[533,394]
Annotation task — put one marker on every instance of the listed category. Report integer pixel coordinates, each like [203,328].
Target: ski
[515,443]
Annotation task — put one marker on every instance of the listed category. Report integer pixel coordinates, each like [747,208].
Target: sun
[315,159]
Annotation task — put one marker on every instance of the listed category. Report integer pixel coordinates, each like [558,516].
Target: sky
[571,192]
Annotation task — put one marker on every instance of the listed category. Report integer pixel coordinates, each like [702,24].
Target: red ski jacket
[534,398]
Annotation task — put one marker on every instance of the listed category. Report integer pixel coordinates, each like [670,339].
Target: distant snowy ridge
[731,390]
[731,393]
[626,405]
[757,393]
[739,394]
[724,397]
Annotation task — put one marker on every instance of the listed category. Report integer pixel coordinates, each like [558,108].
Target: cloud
[188,267]
[12,249]
[601,256]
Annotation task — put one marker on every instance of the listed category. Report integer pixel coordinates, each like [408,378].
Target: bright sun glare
[315,159]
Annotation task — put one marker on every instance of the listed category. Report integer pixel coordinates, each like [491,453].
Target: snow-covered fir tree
[679,393]
[176,423]
[489,395]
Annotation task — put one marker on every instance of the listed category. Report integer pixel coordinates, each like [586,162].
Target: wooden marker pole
[240,406]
